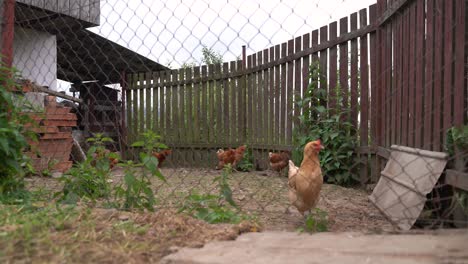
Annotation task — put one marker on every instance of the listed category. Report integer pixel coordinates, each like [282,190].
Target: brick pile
[54,130]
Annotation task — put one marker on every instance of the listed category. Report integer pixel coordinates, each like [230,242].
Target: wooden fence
[393,63]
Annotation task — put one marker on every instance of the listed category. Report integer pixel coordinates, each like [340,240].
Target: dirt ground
[111,236]
[262,194]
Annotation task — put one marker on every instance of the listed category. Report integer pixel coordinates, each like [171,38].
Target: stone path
[444,246]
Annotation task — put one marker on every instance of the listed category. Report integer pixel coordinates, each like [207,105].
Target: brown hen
[306,181]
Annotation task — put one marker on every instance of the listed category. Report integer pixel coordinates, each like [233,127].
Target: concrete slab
[448,246]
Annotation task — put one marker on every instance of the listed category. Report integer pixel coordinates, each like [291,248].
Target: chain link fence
[383,85]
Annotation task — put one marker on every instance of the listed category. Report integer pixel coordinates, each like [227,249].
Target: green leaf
[138,144]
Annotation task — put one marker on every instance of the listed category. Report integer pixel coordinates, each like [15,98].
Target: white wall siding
[35,56]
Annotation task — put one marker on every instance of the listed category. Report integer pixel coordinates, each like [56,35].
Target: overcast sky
[174,31]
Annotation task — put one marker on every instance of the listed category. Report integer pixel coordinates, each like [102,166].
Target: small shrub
[316,222]
[329,125]
[246,164]
[89,179]
[14,164]
[212,208]
[135,192]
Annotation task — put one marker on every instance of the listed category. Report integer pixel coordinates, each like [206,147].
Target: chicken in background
[161,156]
[225,157]
[239,155]
[99,155]
[230,156]
[305,182]
[279,160]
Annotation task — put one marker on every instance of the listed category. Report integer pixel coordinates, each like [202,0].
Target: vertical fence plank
[305,67]
[162,104]
[364,98]
[136,117]
[277,89]
[190,102]
[148,100]
[204,115]
[217,106]
[447,66]
[175,132]
[271,102]
[283,110]
[438,62]
[238,86]
[429,76]
[182,111]
[315,59]
[390,92]
[265,88]
[250,107]
[197,108]
[128,108]
[405,80]
[344,66]
[354,73]
[229,114]
[460,66]
[412,71]
[375,164]
[196,105]
[254,113]
[260,95]
[383,74]
[333,69]
[235,94]
[420,54]
[167,103]
[324,61]
[297,82]
[397,73]
[290,91]
[141,103]
[189,117]
[156,118]
[211,101]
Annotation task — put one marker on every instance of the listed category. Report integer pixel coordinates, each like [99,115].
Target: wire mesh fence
[383,85]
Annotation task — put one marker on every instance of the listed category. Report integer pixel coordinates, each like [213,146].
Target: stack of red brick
[54,130]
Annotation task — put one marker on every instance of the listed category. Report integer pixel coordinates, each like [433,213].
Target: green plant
[150,142]
[135,191]
[212,208]
[329,125]
[246,164]
[89,179]
[316,222]
[13,137]
[457,138]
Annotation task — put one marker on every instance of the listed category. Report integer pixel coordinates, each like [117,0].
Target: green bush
[89,179]
[212,208]
[135,191]
[330,125]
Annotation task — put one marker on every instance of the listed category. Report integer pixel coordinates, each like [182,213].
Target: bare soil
[111,236]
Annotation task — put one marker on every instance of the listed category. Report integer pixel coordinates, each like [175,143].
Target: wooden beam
[8,31]
[41,89]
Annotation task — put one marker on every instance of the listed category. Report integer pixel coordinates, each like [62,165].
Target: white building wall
[35,56]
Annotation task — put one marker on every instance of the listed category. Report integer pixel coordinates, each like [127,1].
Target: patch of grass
[211,208]
[315,222]
[24,229]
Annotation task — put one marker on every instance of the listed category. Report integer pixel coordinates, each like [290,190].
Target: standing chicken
[230,156]
[161,156]
[306,181]
[279,160]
